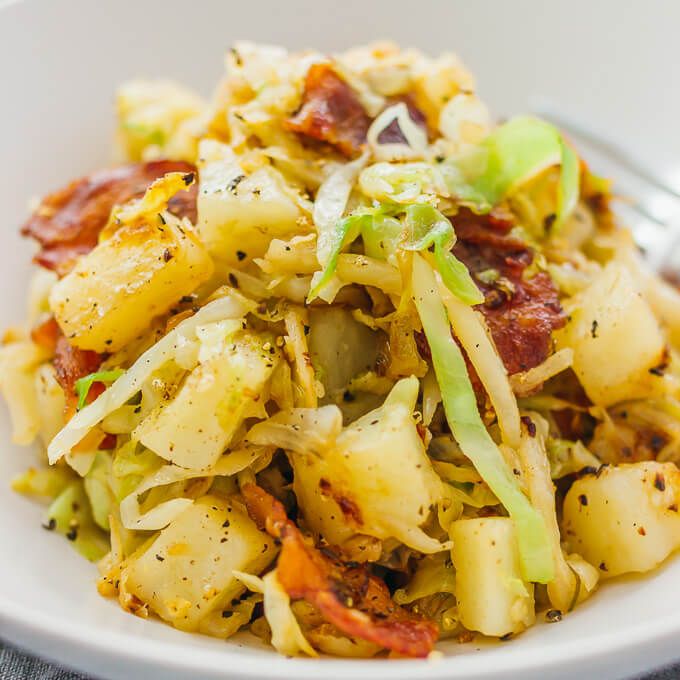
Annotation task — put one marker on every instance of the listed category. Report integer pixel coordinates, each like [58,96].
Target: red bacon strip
[331,112]
[70,363]
[46,334]
[521,313]
[350,598]
[67,222]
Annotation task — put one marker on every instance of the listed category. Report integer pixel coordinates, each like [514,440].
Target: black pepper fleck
[553,616]
[530,425]
[233,184]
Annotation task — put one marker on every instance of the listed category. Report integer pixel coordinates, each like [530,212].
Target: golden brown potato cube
[115,291]
[625,518]
[186,573]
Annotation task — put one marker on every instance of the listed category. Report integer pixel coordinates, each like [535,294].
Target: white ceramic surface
[611,63]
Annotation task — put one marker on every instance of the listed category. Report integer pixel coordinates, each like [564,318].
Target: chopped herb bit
[83,385]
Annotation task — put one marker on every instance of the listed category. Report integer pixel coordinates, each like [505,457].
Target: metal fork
[650,206]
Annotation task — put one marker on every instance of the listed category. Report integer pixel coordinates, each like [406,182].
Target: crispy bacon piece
[331,112]
[349,597]
[46,334]
[521,313]
[67,222]
[71,364]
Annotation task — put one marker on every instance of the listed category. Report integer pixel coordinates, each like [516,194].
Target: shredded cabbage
[381,234]
[70,515]
[287,637]
[463,417]
[525,383]
[415,145]
[402,183]
[332,231]
[510,156]
[98,489]
[304,430]
[435,574]
[426,227]
[162,514]
[229,307]
[471,331]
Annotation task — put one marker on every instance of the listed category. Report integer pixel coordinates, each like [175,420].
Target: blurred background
[608,62]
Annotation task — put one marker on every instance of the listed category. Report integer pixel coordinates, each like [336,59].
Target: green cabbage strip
[98,489]
[84,384]
[146,133]
[329,207]
[510,156]
[426,227]
[345,231]
[569,187]
[379,230]
[71,516]
[460,406]
[381,235]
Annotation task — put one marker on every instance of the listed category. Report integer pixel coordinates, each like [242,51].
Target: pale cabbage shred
[287,223]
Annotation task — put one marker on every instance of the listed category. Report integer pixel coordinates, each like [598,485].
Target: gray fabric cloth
[14,665]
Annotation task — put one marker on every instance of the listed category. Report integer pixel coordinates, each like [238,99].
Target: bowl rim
[31,626]
[62,638]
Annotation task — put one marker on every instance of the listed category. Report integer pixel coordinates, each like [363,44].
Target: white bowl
[60,64]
